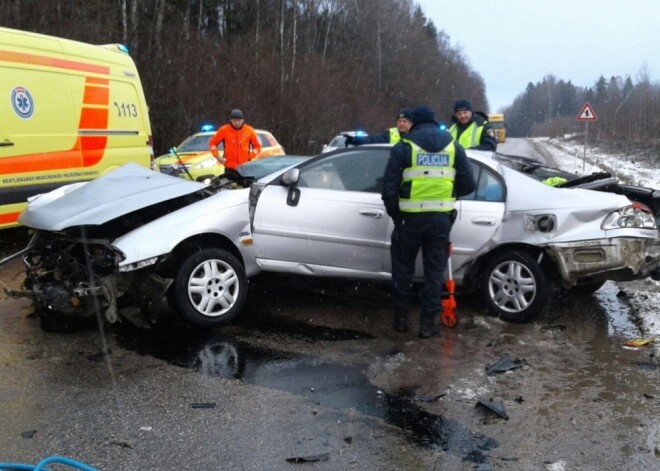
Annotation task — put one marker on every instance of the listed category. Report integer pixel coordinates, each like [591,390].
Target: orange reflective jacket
[237,144]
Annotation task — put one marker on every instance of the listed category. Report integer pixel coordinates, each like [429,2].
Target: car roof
[485,157]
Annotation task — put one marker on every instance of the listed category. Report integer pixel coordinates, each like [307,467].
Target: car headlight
[137,265]
[207,163]
[634,216]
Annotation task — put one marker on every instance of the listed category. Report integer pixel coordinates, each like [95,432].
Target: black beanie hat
[423,114]
[405,113]
[236,114]
[462,105]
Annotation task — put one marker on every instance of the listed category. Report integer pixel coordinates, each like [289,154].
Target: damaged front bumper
[617,259]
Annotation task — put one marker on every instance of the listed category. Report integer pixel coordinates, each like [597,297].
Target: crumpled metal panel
[577,243]
[635,258]
[119,192]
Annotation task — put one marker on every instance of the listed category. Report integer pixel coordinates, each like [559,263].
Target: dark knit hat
[423,114]
[236,114]
[405,113]
[462,105]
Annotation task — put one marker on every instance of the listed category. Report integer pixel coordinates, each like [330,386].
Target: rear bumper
[619,259]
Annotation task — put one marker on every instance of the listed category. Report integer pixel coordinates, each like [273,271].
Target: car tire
[514,287]
[210,288]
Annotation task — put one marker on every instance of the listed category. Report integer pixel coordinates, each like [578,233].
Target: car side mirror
[325,146]
[291,177]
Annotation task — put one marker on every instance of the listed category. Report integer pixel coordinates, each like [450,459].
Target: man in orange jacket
[238,137]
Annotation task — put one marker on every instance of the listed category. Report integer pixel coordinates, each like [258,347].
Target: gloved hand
[349,140]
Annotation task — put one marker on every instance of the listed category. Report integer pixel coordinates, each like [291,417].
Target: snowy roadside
[643,296]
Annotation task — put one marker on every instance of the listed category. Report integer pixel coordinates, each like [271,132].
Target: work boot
[400,323]
[428,326]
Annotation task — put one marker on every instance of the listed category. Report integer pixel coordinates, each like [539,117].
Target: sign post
[586,114]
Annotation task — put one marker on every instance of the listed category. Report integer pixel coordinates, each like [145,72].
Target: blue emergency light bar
[207,127]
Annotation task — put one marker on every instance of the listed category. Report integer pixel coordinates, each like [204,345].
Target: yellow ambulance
[70,112]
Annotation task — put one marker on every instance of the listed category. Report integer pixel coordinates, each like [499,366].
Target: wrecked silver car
[127,240]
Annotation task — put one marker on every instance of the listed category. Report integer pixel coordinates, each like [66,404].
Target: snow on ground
[644,296]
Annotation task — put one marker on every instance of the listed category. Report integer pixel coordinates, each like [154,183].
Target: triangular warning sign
[587,113]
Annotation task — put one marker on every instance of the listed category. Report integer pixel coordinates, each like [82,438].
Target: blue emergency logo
[22,102]
[432,160]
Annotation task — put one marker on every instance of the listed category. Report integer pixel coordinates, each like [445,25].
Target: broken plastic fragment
[494,406]
[202,405]
[505,364]
[429,398]
[639,342]
[646,365]
[309,458]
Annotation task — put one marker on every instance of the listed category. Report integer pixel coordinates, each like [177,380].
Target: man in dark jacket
[471,129]
[425,173]
[391,135]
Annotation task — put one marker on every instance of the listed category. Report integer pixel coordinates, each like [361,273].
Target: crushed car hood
[129,188]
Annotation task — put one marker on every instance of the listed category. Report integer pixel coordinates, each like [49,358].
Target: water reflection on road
[326,384]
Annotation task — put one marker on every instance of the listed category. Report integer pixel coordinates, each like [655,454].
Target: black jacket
[429,137]
[488,140]
[380,138]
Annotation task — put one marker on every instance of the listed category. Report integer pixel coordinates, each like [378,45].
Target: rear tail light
[636,215]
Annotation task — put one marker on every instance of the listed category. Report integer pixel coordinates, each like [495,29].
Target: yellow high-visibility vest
[471,137]
[431,177]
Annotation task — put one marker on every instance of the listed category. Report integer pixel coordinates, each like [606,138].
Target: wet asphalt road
[315,371]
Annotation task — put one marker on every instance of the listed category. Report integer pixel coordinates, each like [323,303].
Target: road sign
[587,113]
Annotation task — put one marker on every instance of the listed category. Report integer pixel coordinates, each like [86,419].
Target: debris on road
[202,405]
[639,342]
[309,458]
[505,364]
[494,406]
[429,398]
[647,365]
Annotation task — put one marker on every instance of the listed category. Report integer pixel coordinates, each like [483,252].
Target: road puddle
[617,310]
[324,383]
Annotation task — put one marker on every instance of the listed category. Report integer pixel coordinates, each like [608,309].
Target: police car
[339,141]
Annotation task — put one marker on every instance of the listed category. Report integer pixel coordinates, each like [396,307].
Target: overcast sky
[513,42]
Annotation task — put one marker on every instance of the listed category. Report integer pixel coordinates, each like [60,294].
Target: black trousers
[233,175]
[430,233]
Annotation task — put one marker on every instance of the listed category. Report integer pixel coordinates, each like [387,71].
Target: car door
[338,224]
[479,214]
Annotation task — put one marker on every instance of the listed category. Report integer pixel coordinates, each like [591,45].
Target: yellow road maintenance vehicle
[497,123]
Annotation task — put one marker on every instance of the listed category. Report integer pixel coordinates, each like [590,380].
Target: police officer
[425,173]
[391,135]
[471,129]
